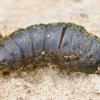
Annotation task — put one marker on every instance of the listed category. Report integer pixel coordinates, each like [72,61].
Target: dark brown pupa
[65,45]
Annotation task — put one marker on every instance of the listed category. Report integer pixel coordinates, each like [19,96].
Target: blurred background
[22,13]
[47,84]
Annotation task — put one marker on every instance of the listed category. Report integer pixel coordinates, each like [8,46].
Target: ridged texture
[65,45]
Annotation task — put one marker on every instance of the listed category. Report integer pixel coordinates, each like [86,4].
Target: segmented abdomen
[67,45]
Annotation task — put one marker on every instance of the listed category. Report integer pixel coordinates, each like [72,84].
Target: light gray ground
[46,83]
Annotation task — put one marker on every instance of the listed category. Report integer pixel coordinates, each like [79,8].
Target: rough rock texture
[46,83]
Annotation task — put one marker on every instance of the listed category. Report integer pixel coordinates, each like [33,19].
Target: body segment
[67,45]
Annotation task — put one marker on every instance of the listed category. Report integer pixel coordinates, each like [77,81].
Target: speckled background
[46,83]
